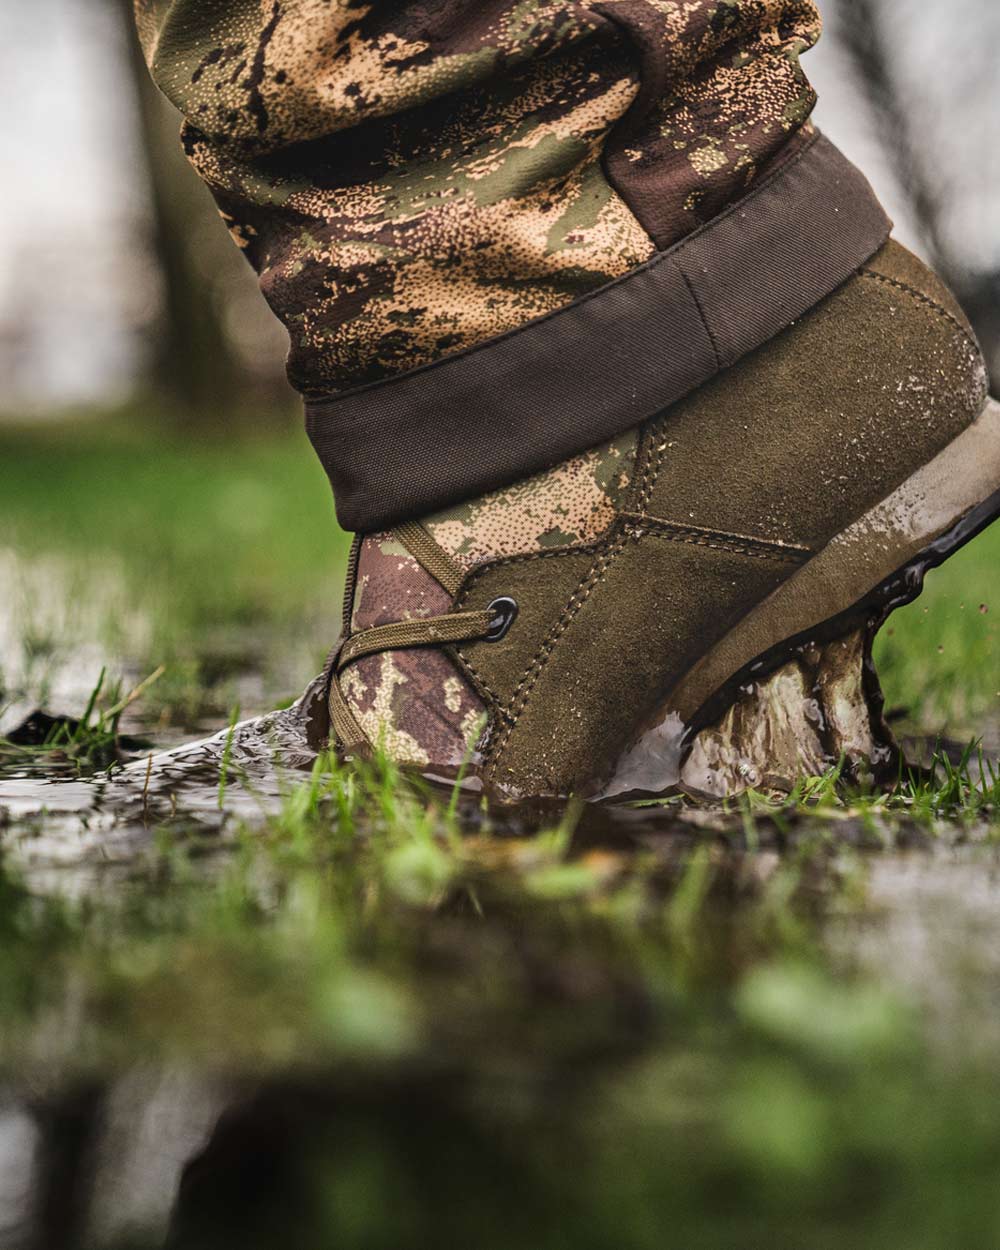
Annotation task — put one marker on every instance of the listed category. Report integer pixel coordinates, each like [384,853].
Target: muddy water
[192,1153]
[821,707]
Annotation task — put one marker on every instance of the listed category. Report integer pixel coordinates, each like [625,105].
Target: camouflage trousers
[413,177]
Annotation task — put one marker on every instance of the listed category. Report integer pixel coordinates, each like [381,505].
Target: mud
[822,708]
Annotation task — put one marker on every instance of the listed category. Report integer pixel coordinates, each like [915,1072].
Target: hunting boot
[598,627]
[604,353]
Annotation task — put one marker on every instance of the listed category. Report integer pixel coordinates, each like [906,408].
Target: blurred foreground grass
[414,1029]
[772,1022]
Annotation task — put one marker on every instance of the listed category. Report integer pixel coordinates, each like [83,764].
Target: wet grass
[939,658]
[82,744]
[641,1029]
[771,1021]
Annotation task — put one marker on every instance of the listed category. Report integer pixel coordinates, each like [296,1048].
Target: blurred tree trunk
[207,285]
[861,29]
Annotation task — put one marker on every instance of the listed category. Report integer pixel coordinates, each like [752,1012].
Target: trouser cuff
[528,399]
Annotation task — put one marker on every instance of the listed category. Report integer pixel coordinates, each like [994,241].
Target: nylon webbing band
[426,632]
[346,729]
[430,555]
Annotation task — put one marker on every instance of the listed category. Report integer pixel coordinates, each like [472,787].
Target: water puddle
[271,1012]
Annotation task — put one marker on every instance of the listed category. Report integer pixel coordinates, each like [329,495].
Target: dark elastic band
[522,402]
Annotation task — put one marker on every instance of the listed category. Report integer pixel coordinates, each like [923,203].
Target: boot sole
[873,566]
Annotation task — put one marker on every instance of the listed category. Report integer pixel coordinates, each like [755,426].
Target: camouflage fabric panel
[415,706]
[265,74]
[407,180]
[412,179]
[413,703]
[730,94]
[571,504]
[391,586]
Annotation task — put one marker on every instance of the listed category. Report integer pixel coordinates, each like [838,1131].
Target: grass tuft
[90,742]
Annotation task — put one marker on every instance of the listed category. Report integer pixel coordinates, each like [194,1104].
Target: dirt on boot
[550,635]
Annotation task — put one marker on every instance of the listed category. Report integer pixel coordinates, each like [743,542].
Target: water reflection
[470,1142]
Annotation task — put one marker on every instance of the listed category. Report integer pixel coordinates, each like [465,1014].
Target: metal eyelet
[503,613]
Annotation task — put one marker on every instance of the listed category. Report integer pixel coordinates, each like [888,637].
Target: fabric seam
[741,544]
[922,298]
[731,547]
[701,313]
[654,262]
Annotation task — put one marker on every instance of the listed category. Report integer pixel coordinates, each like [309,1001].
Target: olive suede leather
[735,488]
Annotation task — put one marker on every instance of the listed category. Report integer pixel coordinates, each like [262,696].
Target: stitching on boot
[522,693]
[739,544]
[592,548]
[479,571]
[923,299]
[735,549]
[615,545]
[654,461]
[481,684]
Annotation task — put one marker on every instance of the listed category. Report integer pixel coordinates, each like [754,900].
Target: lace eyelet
[503,613]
